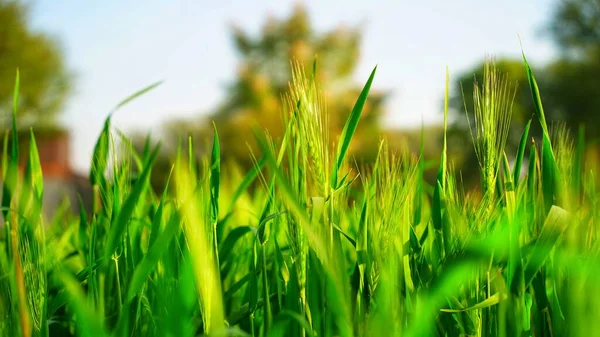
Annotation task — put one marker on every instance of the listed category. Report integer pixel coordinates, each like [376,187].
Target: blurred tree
[569,86]
[255,96]
[575,26]
[572,95]
[45,81]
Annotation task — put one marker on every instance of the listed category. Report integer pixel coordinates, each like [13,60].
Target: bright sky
[117,47]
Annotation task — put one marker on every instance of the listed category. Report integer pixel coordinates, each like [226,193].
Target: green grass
[307,244]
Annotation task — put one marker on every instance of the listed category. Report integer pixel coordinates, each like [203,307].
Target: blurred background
[230,63]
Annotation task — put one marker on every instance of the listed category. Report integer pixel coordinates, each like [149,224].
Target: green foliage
[349,129]
[46,80]
[464,100]
[569,83]
[307,252]
[462,95]
[492,104]
[571,93]
[576,25]
[263,77]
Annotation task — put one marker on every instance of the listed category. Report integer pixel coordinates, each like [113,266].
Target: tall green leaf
[151,259]
[440,186]
[135,95]
[550,174]
[215,176]
[349,129]
[520,154]
[10,180]
[119,227]
[88,322]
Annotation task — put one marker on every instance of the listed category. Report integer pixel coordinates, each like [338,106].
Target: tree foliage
[569,84]
[45,80]
[573,93]
[575,26]
[573,84]
[254,98]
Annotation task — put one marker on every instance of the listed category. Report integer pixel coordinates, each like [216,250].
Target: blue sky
[117,47]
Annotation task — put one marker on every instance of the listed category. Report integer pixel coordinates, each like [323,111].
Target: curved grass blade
[248,179]
[579,161]
[550,174]
[98,168]
[535,95]
[532,170]
[119,227]
[198,235]
[554,226]
[419,193]
[488,302]
[440,186]
[100,156]
[282,320]
[10,180]
[135,95]
[349,129]
[88,323]
[215,176]
[156,222]
[149,262]
[33,174]
[226,247]
[520,154]
[8,190]
[215,180]
[31,194]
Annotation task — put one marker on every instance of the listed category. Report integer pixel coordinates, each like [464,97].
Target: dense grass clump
[306,244]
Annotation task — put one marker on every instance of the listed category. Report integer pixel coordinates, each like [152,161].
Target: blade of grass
[438,204]
[243,186]
[198,233]
[135,95]
[117,231]
[9,188]
[151,259]
[88,323]
[579,161]
[349,129]
[215,180]
[488,302]
[520,154]
[554,226]
[550,174]
[10,180]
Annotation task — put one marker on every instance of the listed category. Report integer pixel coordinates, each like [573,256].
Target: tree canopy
[573,79]
[575,26]
[254,97]
[45,80]
[569,85]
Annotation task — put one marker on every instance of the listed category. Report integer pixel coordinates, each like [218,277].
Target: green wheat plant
[306,242]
